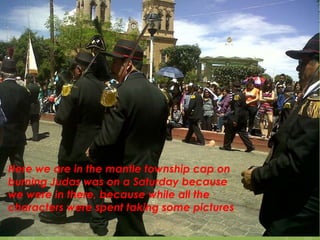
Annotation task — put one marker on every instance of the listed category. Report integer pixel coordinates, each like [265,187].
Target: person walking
[80,114]
[289,178]
[15,102]
[236,120]
[195,114]
[133,134]
[34,90]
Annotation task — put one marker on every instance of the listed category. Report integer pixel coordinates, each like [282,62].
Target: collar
[314,87]
[130,73]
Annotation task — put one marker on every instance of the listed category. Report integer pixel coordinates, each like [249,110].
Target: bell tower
[94,8]
[164,37]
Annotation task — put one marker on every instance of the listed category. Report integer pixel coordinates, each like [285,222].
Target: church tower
[94,8]
[164,36]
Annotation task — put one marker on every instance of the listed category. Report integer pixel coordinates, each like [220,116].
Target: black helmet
[96,42]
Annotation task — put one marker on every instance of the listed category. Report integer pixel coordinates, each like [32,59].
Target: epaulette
[66,89]
[287,105]
[109,97]
[311,108]
[236,97]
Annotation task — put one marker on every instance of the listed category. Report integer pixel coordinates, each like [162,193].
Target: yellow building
[163,38]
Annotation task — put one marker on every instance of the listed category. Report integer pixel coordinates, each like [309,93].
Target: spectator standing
[289,178]
[195,114]
[133,134]
[175,91]
[252,101]
[184,103]
[267,98]
[80,114]
[208,110]
[223,107]
[236,120]
[15,102]
[174,121]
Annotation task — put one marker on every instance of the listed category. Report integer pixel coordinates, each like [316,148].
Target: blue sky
[259,28]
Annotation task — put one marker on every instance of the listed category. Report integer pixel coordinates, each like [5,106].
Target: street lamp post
[154,21]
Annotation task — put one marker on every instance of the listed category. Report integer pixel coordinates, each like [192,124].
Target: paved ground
[237,213]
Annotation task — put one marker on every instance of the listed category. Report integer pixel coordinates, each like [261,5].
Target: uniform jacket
[34,90]
[195,109]
[289,179]
[134,131]
[15,101]
[80,114]
[238,106]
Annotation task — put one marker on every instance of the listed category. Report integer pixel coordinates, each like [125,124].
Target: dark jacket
[289,179]
[195,109]
[80,114]
[34,90]
[134,131]
[15,101]
[238,106]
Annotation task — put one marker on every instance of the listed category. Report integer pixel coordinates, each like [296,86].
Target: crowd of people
[106,124]
[262,108]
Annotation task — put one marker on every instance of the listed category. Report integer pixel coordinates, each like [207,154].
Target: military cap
[8,66]
[124,49]
[312,47]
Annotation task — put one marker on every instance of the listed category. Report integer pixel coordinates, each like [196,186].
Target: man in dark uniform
[195,113]
[34,90]
[133,134]
[236,120]
[15,102]
[80,114]
[289,178]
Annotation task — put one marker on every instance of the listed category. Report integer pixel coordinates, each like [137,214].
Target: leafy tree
[226,75]
[184,57]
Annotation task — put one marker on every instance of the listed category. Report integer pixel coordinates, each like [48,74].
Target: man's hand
[246,178]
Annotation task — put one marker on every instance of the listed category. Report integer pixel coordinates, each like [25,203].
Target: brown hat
[124,49]
[8,66]
[312,47]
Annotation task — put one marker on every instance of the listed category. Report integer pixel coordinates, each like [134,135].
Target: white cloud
[253,36]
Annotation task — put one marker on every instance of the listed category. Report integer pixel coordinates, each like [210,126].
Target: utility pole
[52,60]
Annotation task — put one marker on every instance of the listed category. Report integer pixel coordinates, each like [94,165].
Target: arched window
[103,7]
[168,21]
[93,6]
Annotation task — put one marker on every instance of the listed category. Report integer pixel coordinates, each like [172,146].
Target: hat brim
[113,55]
[296,54]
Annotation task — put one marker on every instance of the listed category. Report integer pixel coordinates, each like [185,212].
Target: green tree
[184,57]
[226,75]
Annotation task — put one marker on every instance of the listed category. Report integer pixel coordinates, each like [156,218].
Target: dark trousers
[207,123]
[303,223]
[194,128]
[252,111]
[34,122]
[15,155]
[130,223]
[170,126]
[60,192]
[231,131]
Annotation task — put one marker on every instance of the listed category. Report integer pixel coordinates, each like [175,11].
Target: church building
[163,38]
